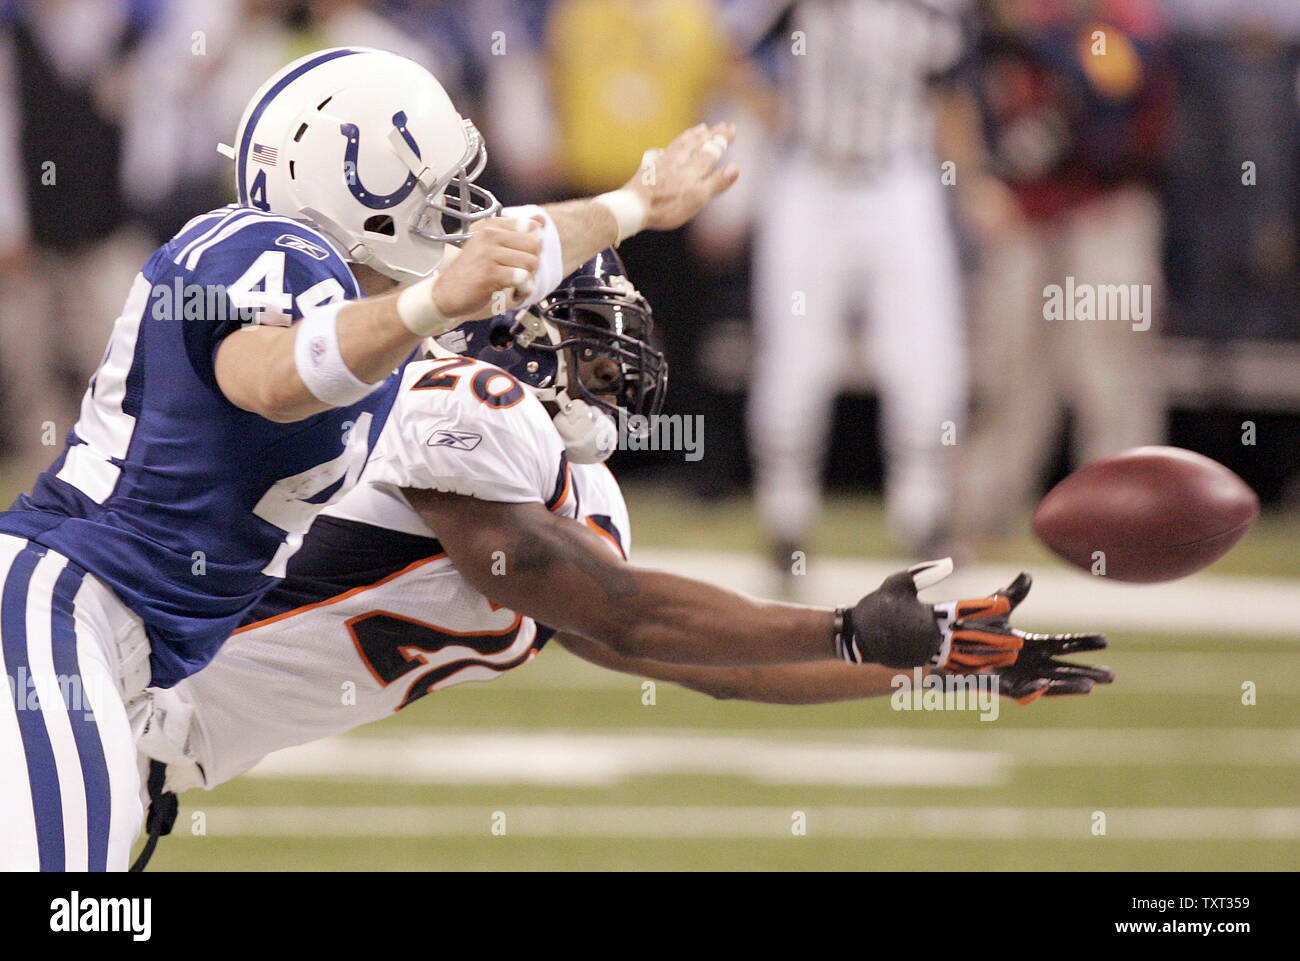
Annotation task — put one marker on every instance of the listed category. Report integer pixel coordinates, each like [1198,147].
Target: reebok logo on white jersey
[75,914]
[459,439]
[294,242]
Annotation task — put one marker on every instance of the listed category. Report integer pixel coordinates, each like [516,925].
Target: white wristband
[319,362]
[629,211]
[550,266]
[419,313]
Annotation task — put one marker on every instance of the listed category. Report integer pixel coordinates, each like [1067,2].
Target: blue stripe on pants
[94,769]
[42,775]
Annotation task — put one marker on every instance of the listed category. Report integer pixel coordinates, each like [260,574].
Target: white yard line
[975,758]
[777,823]
[1061,599]
[580,759]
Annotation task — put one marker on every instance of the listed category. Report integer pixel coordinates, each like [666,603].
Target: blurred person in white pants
[1103,370]
[881,252]
[1076,130]
[854,235]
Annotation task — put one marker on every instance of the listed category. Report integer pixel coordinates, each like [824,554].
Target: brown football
[1149,514]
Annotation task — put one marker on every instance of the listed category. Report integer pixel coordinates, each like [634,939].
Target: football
[1147,515]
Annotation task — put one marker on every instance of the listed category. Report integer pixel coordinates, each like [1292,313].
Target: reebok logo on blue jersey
[294,242]
[459,439]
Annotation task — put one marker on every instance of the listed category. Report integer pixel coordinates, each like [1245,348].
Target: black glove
[1037,672]
[890,626]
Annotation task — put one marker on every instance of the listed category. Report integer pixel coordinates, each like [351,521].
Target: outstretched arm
[562,574]
[260,369]
[812,682]
[670,187]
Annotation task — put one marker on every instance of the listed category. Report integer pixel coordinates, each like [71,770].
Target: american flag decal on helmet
[267,156]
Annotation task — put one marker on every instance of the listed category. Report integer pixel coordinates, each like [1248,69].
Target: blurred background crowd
[865,309]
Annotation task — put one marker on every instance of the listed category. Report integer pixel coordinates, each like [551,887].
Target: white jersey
[373,614]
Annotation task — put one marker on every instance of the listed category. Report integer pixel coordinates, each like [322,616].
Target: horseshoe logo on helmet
[353,177]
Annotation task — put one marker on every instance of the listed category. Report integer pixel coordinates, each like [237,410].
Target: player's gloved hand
[892,627]
[1038,673]
[976,633]
[978,638]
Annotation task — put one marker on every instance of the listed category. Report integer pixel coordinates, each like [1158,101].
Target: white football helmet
[366,147]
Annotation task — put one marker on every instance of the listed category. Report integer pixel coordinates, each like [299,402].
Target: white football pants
[72,654]
[833,250]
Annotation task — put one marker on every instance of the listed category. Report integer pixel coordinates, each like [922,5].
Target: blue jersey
[187,506]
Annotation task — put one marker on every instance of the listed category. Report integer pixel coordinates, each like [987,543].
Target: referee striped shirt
[857,72]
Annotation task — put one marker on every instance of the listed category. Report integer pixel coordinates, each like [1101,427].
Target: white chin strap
[590,435]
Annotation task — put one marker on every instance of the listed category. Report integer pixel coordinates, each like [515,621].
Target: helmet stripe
[265,102]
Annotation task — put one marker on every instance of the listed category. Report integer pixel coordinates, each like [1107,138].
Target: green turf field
[562,766]
[1128,752]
